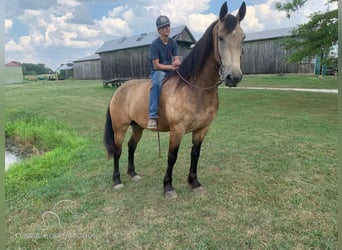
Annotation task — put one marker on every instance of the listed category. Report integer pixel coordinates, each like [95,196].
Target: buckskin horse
[188,101]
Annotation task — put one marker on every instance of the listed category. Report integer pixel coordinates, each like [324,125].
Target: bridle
[219,66]
[218,58]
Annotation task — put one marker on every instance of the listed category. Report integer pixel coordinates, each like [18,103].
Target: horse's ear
[223,11]
[242,12]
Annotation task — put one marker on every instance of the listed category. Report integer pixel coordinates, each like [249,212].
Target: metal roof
[268,34]
[88,58]
[66,66]
[138,40]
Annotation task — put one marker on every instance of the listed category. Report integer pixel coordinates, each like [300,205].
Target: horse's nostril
[233,80]
[238,79]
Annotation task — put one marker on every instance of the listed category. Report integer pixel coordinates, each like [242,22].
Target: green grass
[268,165]
[50,147]
[290,81]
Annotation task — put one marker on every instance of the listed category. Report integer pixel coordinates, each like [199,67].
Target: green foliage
[290,6]
[313,38]
[293,5]
[35,69]
[62,75]
[30,73]
[55,148]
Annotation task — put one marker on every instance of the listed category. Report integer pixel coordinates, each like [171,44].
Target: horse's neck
[209,75]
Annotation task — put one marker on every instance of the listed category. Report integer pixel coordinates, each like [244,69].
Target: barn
[13,73]
[87,68]
[65,71]
[264,54]
[128,57]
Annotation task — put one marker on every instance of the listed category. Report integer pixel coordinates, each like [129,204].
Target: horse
[188,100]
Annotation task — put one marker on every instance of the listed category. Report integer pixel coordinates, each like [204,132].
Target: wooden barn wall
[268,57]
[125,63]
[87,70]
[131,63]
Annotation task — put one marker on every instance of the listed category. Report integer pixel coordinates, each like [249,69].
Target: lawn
[290,81]
[268,165]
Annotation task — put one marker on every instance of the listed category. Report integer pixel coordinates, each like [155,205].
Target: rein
[197,87]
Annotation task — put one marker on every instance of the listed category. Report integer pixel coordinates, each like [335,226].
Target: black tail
[109,135]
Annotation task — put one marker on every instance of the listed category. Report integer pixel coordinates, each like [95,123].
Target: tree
[35,69]
[317,37]
[293,6]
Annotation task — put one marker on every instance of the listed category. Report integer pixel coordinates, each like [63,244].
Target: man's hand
[176,63]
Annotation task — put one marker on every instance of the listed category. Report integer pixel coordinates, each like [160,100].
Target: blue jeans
[157,78]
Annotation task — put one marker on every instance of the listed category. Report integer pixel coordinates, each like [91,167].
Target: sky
[55,32]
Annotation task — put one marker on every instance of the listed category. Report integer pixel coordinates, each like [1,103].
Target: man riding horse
[163,59]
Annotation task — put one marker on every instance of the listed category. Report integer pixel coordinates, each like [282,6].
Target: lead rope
[158,138]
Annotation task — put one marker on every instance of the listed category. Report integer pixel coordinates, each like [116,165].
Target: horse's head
[229,38]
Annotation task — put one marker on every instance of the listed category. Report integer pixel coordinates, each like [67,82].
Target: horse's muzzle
[233,80]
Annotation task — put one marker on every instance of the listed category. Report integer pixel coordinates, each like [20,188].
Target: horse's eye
[220,38]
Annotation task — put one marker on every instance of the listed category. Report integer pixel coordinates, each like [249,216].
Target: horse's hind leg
[119,137]
[116,172]
[132,145]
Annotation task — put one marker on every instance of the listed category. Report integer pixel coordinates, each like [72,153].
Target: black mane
[194,61]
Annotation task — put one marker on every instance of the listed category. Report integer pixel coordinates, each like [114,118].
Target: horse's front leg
[195,154]
[197,138]
[175,139]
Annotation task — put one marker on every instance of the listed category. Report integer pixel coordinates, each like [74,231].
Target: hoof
[136,178]
[171,194]
[199,191]
[118,186]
